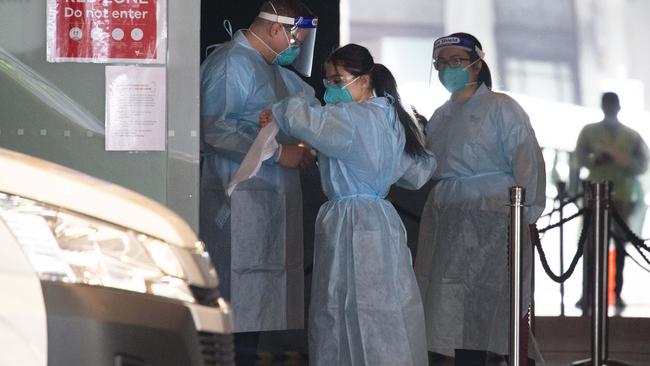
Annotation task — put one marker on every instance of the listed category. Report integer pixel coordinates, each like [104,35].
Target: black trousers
[625,211]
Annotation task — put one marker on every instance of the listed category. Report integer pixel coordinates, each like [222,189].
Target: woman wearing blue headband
[484,144]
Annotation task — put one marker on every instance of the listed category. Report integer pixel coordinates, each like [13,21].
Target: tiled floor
[563,340]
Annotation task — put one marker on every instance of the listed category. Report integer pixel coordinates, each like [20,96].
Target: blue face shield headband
[461,42]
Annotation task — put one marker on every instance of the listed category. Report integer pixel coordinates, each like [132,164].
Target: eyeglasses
[453,62]
[337,80]
[293,31]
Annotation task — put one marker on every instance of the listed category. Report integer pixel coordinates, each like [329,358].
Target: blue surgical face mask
[454,78]
[338,93]
[287,57]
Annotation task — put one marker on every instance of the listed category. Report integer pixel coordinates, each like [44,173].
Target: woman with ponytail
[365,304]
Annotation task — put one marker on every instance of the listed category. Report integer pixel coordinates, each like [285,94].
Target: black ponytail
[358,61]
[385,84]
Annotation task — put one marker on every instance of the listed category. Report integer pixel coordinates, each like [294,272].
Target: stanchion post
[604,262]
[517,199]
[561,194]
[600,205]
[597,280]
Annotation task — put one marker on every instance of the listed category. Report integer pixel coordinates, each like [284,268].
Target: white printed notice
[135,108]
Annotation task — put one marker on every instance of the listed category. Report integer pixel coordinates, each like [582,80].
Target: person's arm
[525,158]
[639,156]
[416,170]
[583,151]
[224,92]
[327,129]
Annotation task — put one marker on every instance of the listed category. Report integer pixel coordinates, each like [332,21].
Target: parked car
[94,274]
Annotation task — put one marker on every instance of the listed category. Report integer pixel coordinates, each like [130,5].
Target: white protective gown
[483,146]
[255,236]
[365,305]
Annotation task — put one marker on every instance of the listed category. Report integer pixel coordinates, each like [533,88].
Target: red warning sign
[106,30]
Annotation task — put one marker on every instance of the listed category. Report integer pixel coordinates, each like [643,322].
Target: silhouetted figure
[617,153]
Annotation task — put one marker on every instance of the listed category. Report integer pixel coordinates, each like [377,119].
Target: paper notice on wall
[131,31]
[135,108]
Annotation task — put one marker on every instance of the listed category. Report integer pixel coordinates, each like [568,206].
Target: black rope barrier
[581,243]
[620,239]
[564,203]
[635,261]
[562,222]
[632,237]
[642,254]
[636,242]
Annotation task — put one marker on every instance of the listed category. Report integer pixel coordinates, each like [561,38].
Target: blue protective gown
[255,237]
[484,146]
[365,305]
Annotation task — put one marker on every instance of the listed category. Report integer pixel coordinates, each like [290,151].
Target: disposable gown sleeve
[416,170]
[328,129]
[525,158]
[224,94]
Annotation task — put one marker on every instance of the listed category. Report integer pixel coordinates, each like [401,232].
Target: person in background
[365,306]
[484,144]
[252,236]
[616,153]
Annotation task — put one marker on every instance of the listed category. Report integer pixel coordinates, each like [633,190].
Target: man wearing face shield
[484,144]
[255,235]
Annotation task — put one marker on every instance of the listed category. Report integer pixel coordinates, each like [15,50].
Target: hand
[266,117]
[619,157]
[295,157]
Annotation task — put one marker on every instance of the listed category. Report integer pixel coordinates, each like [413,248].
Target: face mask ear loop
[261,40]
[353,80]
[273,6]
[286,37]
[479,52]
[470,65]
[275,11]
[228,27]
[207,49]
[480,55]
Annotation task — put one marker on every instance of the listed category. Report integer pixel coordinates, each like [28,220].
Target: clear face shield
[303,36]
[463,43]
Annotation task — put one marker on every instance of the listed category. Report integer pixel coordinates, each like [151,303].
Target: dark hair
[610,98]
[420,119]
[288,8]
[358,61]
[484,76]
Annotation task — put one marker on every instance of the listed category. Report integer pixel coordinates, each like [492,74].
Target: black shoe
[620,303]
